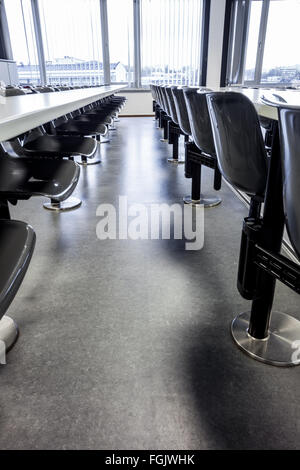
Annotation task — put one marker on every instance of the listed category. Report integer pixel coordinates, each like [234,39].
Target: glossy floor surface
[125,344]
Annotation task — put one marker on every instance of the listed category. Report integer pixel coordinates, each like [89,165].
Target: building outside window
[72,41]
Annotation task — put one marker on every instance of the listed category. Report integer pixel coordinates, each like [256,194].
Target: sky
[282,46]
[64,21]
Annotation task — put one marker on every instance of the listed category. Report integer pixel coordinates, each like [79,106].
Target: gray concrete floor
[126,344]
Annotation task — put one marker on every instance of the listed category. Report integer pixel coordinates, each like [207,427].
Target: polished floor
[125,344]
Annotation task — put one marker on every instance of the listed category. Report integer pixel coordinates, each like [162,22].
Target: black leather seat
[17,240]
[22,178]
[202,135]
[64,127]
[38,142]
[263,334]
[45,145]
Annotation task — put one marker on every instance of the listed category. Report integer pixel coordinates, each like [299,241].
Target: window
[72,41]
[120,35]
[253,39]
[170,41]
[269,35]
[281,60]
[22,37]
[92,42]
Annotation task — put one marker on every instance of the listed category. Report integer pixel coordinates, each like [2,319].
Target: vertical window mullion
[105,41]
[137,43]
[261,41]
[39,40]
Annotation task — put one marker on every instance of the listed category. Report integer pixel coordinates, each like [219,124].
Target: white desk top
[21,113]
[292,97]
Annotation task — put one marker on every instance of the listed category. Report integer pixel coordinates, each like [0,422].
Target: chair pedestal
[176,160]
[174,134]
[267,336]
[204,201]
[85,162]
[196,198]
[69,204]
[279,348]
[8,334]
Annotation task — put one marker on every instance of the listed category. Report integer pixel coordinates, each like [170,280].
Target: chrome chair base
[69,204]
[175,160]
[93,161]
[281,348]
[204,201]
[8,334]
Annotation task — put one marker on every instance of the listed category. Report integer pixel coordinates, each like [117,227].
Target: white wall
[138,103]
[215,42]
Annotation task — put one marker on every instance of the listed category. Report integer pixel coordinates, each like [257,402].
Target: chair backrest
[289,128]
[165,100]
[159,96]
[12,91]
[238,141]
[44,89]
[180,105]
[172,106]
[199,120]
[155,88]
[152,91]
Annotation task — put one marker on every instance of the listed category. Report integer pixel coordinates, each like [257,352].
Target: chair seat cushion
[21,178]
[17,240]
[81,128]
[61,146]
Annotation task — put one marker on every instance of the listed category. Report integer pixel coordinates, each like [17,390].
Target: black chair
[10,90]
[38,142]
[17,240]
[205,153]
[165,115]
[264,335]
[24,177]
[156,104]
[174,131]
[70,127]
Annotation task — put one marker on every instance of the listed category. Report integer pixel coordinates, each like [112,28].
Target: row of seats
[223,131]
[41,163]
[183,111]
[14,90]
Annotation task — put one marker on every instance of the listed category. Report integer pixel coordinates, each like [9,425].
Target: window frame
[235,69]
[105,43]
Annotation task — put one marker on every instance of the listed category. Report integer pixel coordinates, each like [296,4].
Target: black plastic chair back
[165,100]
[238,141]
[172,106]
[199,120]
[289,127]
[182,114]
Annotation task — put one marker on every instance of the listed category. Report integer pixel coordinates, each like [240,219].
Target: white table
[255,94]
[19,114]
